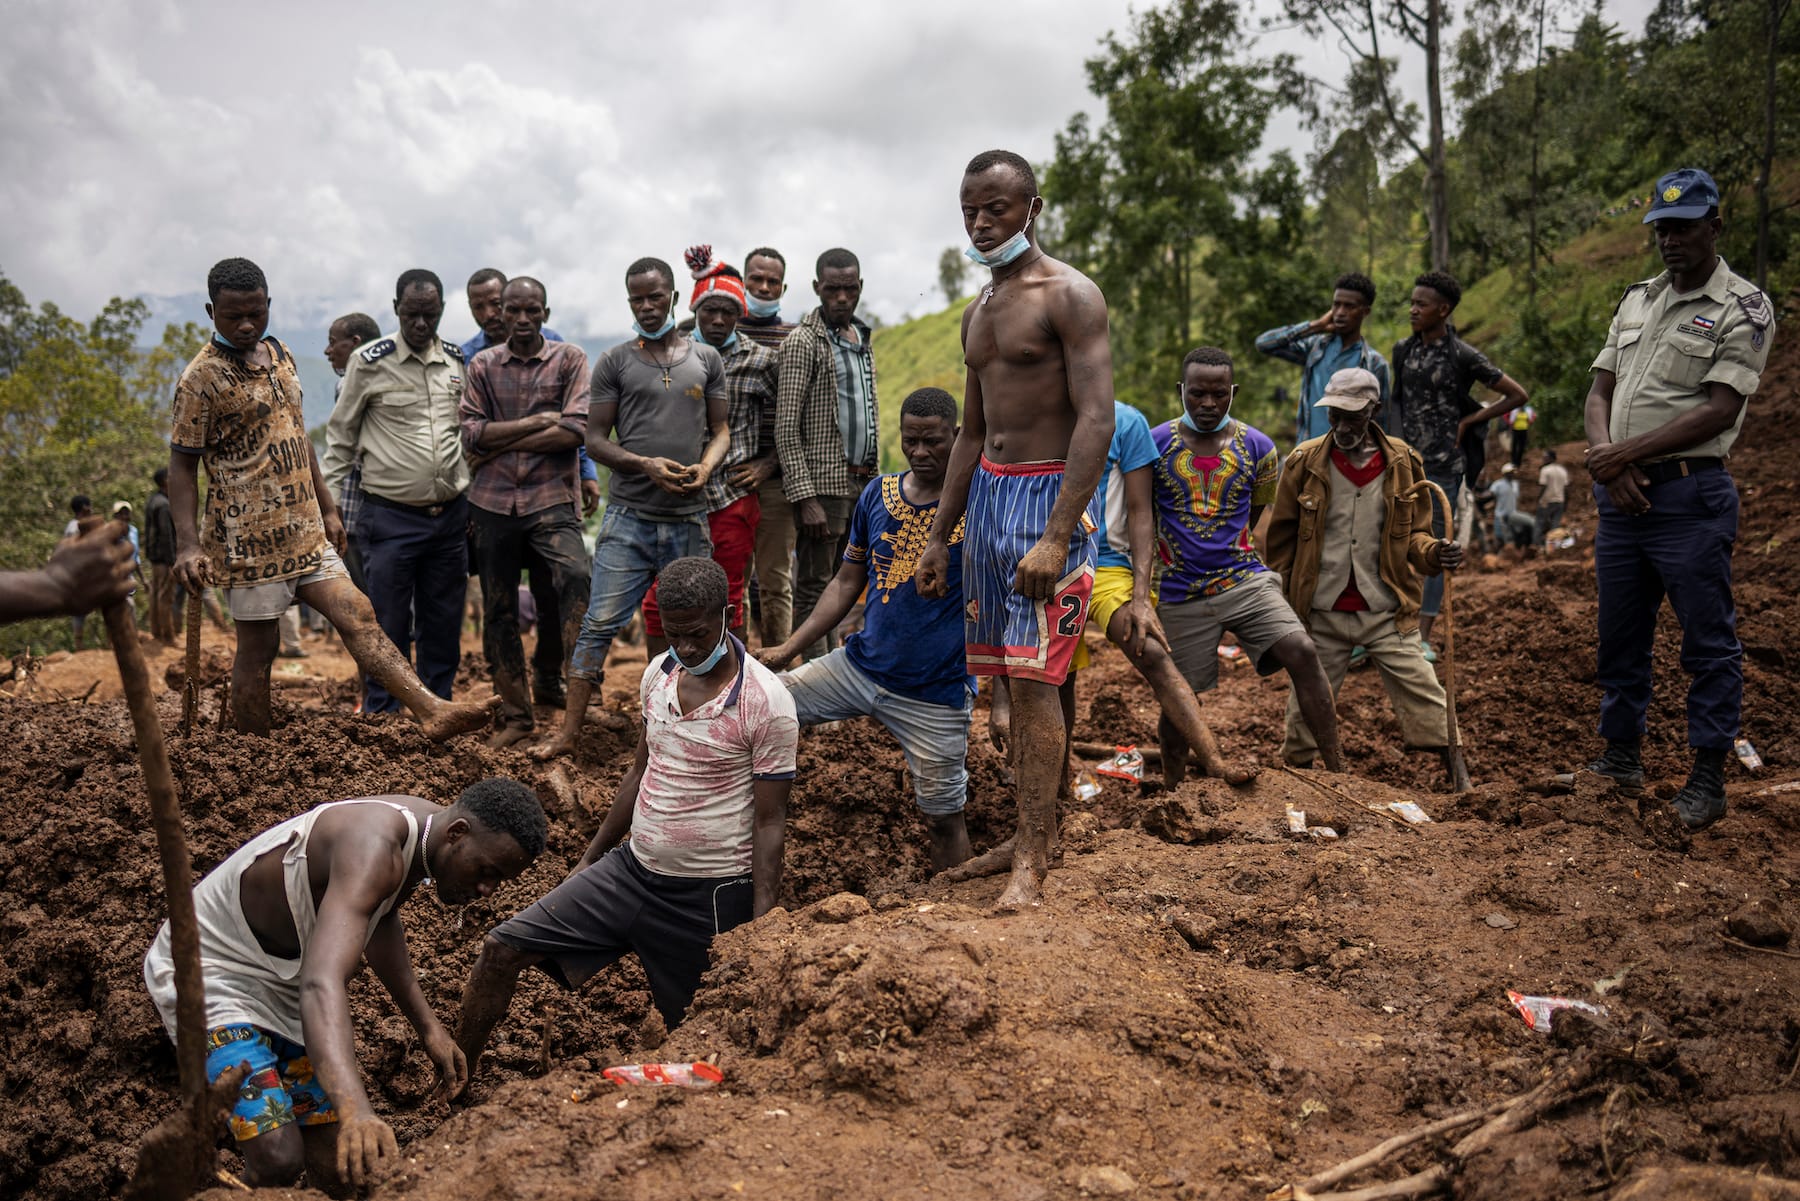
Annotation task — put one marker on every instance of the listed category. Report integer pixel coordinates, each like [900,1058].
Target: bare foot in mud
[462,717]
[1025,890]
[506,736]
[556,748]
[1237,777]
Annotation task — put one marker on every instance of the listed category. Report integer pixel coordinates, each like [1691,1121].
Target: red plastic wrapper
[677,1075]
[1126,764]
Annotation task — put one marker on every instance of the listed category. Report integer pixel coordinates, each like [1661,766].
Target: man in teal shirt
[1327,345]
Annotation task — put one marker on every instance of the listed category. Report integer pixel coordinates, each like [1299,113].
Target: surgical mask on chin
[711,661]
[222,340]
[1188,420]
[1008,251]
[727,344]
[764,308]
[663,332]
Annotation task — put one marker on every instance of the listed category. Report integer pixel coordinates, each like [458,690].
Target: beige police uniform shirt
[1665,349]
[397,411]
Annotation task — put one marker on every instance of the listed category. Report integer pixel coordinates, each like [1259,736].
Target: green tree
[83,409]
[1144,195]
[953,272]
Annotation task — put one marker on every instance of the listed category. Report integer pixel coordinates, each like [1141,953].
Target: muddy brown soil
[1205,1005]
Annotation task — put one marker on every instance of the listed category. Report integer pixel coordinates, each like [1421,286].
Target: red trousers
[734,543]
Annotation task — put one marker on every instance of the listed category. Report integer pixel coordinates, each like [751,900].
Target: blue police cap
[1682,195]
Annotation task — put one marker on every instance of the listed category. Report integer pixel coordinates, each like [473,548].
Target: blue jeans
[629,552]
[1681,548]
[416,570]
[934,738]
[1451,483]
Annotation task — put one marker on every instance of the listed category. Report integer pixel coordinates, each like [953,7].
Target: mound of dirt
[1206,1004]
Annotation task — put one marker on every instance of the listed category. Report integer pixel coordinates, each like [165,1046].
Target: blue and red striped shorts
[1009,634]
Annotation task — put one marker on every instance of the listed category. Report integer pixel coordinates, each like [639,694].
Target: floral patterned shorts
[280,1087]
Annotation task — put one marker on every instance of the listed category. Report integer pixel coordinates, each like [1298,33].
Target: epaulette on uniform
[1642,283]
[452,349]
[374,352]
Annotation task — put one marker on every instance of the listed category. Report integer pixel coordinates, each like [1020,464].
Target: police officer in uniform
[1684,352]
[396,412]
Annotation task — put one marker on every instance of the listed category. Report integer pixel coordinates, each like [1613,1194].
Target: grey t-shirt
[659,420]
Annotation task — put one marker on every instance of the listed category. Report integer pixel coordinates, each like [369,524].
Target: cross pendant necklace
[987,293]
[644,346]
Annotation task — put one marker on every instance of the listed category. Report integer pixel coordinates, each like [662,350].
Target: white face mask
[1007,252]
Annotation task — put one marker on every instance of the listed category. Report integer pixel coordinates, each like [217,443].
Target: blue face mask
[225,342]
[1188,420]
[763,308]
[727,344]
[667,325]
[1008,251]
[711,661]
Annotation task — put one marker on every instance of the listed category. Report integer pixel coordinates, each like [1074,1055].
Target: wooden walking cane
[1459,770]
[178,869]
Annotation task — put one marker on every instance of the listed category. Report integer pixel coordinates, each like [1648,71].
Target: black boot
[1619,763]
[1701,801]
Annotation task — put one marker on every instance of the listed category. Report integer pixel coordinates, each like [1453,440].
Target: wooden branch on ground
[1503,1118]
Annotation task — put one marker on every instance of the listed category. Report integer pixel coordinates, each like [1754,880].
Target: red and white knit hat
[714,279]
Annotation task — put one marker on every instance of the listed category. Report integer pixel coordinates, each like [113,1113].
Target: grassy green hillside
[922,353]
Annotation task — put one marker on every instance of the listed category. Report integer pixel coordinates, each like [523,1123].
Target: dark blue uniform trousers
[416,568]
[1681,548]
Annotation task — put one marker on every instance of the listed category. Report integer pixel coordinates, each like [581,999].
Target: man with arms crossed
[692,845]
[288,920]
[905,666]
[1037,421]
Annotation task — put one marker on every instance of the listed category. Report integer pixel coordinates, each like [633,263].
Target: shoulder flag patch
[374,352]
[1703,322]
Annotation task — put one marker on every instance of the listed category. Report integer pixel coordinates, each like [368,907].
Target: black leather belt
[437,510]
[1664,470]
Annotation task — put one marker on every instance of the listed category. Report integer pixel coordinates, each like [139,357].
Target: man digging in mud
[288,919]
[702,811]
[1037,420]
[272,528]
[905,666]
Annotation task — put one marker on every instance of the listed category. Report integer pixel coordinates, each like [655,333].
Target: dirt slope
[1205,1017]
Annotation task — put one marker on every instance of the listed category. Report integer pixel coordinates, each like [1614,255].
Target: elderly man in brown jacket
[1353,551]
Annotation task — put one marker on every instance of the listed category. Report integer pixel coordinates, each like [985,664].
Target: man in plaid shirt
[826,428]
[733,507]
[524,411]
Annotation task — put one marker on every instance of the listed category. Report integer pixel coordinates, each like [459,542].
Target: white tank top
[245,985]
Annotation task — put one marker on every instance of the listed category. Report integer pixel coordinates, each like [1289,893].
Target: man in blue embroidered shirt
[906,667]
[1325,346]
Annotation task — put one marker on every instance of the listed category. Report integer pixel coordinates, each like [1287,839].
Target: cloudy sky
[338,144]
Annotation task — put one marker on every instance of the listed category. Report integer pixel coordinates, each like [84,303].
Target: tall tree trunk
[1437,175]
[1773,14]
[1537,108]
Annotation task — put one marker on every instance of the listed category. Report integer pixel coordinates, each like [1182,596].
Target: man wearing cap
[396,412]
[733,507]
[1684,351]
[1352,549]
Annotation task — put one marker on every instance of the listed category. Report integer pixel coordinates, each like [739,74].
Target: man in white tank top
[288,919]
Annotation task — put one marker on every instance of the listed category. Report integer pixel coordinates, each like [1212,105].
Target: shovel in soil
[177,1156]
[1453,756]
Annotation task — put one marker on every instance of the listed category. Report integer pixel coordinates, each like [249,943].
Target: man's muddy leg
[1180,713]
[274,1159]
[488,994]
[1312,688]
[580,689]
[257,642]
[320,1146]
[350,613]
[1042,757]
[949,841]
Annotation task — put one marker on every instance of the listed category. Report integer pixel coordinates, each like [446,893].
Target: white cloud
[342,143]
